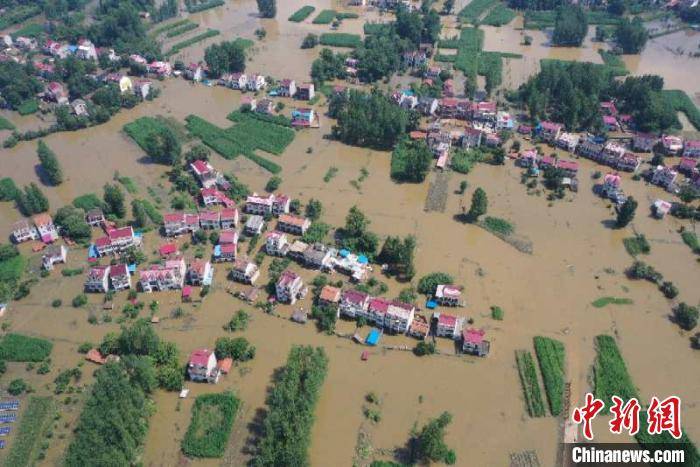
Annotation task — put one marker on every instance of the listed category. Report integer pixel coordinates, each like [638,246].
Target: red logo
[624,417]
[587,413]
[665,415]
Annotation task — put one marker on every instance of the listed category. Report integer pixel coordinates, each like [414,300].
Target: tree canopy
[570,26]
[631,35]
[225,57]
[267,8]
[410,161]
[49,164]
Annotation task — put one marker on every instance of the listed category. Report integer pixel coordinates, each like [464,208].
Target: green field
[197,7]
[302,13]
[530,383]
[33,424]
[471,42]
[210,428]
[340,39]
[475,9]
[29,30]
[375,28]
[140,129]
[445,58]
[168,27]
[681,102]
[17,14]
[499,16]
[28,107]
[552,359]
[614,61]
[637,245]
[325,17]
[691,239]
[540,19]
[181,30]
[21,348]
[5,124]
[191,41]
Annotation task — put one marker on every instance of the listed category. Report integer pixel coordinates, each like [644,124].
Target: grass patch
[551,357]
[168,27]
[210,428]
[500,15]
[197,7]
[140,129]
[12,268]
[475,9]
[28,107]
[243,139]
[448,44]
[497,313]
[181,30]
[340,39]
[302,13]
[17,14]
[637,245]
[29,30]
[128,183]
[540,19]
[471,43]
[260,132]
[325,17]
[191,41]
[21,348]
[239,116]
[70,272]
[346,15]
[531,386]
[605,301]
[497,225]
[35,421]
[613,71]
[445,58]
[691,239]
[681,102]
[614,61]
[5,124]
[376,28]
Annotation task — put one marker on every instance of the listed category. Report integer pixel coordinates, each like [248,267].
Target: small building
[201,366]
[120,277]
[644,142]
[53,254]
[295,225]
[212,197]
[225,252]
[287,88]
[610,123]
[427,105]
[209,220]
[305,91]
[329,296]
[170,276]
[23,231]
[448,325]
[691,148]
[567,141]
[673,145]
[265,106]
[180,223]
[260,205]
[256,82]
[473,342]
[687,165]
[229,218]
[95,217]
[376,310]
[448,295]
[628,162]
[45,227]
[79,108]
[300,316]
[56,92]
[276,243]
[354,303]
[254,225]
[97,279]
[245,271]
[471,138]
[289,287]
[200,272]
[420,327]
[204,172]
[399,317]
[569,167]
[238,81]
[318,256]
[549,131]
[281,204]
[590,150]
[664,177]
[486,110]
[660,208]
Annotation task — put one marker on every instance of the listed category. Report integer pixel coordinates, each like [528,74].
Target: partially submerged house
[473,342]
[245,271]
[201,366]
[53,254]
[289,287]
[448,295]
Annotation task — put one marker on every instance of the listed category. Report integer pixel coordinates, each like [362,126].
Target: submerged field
[552,292]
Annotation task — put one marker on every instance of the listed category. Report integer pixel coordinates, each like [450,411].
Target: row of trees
[49,164]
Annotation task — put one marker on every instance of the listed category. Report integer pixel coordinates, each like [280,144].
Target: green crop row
[531,386]
[551,357]
[301,14]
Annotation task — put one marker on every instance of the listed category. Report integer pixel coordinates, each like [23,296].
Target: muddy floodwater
[576,259]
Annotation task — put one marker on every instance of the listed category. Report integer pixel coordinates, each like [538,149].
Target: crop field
[551,357]
[140,129]
[197,7]
[681,102]
[375,28]
[20,348]
[181,30]
[475,9]
[340,39]
[325,17]
[531,386]
[191,41]
[212,420]
[168,27]
[5,124]
[32,426]
[470,44]
[499,16]
[301,14]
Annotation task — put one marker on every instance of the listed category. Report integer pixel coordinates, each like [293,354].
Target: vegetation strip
[531,386]
[21,348]
[605,301]
[197,7]
[340,39]
[475,9]
[5,124]
[292,401]
[552,359]
[325,17]
[35,421]
[181,30]
[302,13]
[212,420]
[681,102]
[168,27]
[191,41]
[500,15]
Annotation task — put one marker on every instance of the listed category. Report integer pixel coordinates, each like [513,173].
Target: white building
[53,254]
[289,287]
[97,279]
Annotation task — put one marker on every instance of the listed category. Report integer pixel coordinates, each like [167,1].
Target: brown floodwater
[576,259]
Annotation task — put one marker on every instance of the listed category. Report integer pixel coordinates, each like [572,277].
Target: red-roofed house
[473,342]
[97,279]
[471,138]
[200,272]
[448,325]
[245,271]
[45,227]
[354,303]
[229,218]
[120,277]
[287,88]
[289,287]
[329,295]
[691,148]
[550,130]
[179,223]
[280,204]
[260,205]
[56,92]
[570,168]
[485,110]
[201,366]
[420,327]
[168,249]
[687,165]
[295,225]
[116,241]
[672,144]
[212,196]
[209,219]
[398,317]
[163,277]
[608,108]
[225,252]
[610,123]
[204,172]
[376,310]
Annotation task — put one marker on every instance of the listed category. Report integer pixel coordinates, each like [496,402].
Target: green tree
[273,184]
[427,284]
[310,41]
[17,387]
[267,8]
[429,444]
[49,164]
[226,57]
[410,161]
[314,209]
[237,348]
[72,222]
[399,254]
[114,200]
[625,213]
[478,206]
[163,146]
[570,26]
[32,200]
[325,317]
[631,35]
[138,339]
[686,316]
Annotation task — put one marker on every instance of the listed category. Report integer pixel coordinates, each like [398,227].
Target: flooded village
[256,237]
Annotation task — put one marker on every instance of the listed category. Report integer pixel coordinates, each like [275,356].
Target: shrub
[423,348]
[340,39]
[604,301]
[637,245]
[238,322]
[325,17]
[17,387]
[79,300]
[210,428]
[497,313]
[56,303]
[428,284]
[85,347]
[302,13]
[641,270]
[237,348]
[668,289]
[686,316]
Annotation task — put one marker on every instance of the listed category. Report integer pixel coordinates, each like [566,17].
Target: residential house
[376,310]
[53,254]
[160,68]
[142,88]
[608,108]
[672,144]
[228,237]
[289,287]
[570,168]
[212,196]
[487,111]
[86,50]
[691,148]
[473,342]
[261,205]
[610,123]
[138,59]
[414,58]
[45,227]
[687,165]
[420,327]
[276,243]
[448,88]
[296,251]
[126,85]
[399,317]
[194,72]
[79,107]
[590,149]
[295,225]
[287,88]
[245,271]
[256,82]
[204,172]
[254,225]
[56,92]
[305,91]
[116,241]
[120,277]
[265,106]
[351,264]
[660,208]
[229,218]
[527,158]
[179,223]
[504,121]
[448,325]
[209,219]
[329,296]
[471,138]
[318,256]
[44,70]
[280,204]
[427,105]
[644,142]
[549,131]
[492,140]
[23,231]
[238,81]
[567,141]
[26,43]
[169,276]
[303,117]
[448,295]
[628,162]
[200,272]
[354,303]
[664,177]
[547,161]
[225,252]
[201,366]
[97,279]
